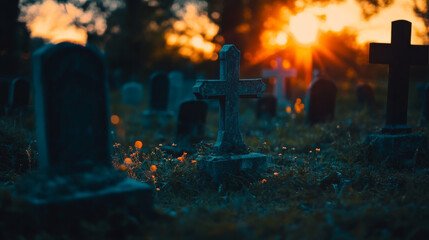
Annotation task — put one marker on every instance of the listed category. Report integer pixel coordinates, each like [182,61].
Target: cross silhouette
[279,73]
[228,90]
[400,54]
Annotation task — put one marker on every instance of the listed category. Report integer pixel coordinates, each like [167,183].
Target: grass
[318,184]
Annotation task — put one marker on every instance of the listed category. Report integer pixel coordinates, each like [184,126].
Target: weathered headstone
[280,74]
[4,95]
[320,103]
[159,91]
[424,119]
[132,93]
[396,143]
[191,124]
[19,93]
[76,176]
[158,112]
[176,90]
[365,95]
[231,154]
[266,107]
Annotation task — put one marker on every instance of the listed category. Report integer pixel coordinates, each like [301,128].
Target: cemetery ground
[318,184]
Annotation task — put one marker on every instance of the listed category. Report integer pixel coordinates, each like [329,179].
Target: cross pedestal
[279,74]
[400,55]
[232,155]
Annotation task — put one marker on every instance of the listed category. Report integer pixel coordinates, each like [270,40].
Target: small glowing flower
[276,173]
[288,109]
[122,167]
[194,161]
[157,189]
[317,149]
[153,168]
[264,180]
[138,144]
[182,158]
[114,119]
[128,161]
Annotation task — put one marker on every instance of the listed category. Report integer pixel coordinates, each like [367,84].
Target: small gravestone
[4,95]
[132,93]
[280,75]
[176,90]
[231,154]
[424,119]
[266,107]
[158,112]
[76,178]
[19,93]
[320,104]
[365,95]
[396,144]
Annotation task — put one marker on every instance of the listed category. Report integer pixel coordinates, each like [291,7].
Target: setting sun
[304,27]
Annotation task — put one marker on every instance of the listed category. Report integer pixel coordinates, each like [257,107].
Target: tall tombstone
[424,119]
[191,123]
[158,112]
[266,107]
[19,93]
[4,95]
[397,144]
[231,154]
[320,103]
[76,177]
[365,95]
[159,91]
[280,75]
[176,90]
[132,93]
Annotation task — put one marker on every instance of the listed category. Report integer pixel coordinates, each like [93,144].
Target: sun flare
[304,27]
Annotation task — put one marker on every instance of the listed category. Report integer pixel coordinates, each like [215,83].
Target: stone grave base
[400,150]
[219,167]
[157,118]
[84,196]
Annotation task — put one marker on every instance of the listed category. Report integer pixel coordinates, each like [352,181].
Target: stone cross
[228,90]
[279,73]
[400,54]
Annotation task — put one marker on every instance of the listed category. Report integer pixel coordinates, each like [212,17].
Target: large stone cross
[228,90]
[400,54]
[279,73]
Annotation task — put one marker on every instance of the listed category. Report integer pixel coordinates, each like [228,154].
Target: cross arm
[382,53]
[210,89]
